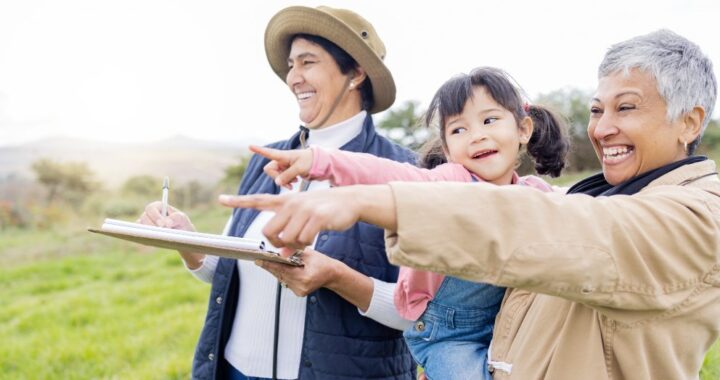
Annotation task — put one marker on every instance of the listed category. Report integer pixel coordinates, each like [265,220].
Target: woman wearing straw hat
[336,315]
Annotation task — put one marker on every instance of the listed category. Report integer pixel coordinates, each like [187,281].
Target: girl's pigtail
[549,143]
[432,154]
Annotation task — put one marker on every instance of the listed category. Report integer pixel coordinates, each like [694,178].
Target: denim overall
[450,340]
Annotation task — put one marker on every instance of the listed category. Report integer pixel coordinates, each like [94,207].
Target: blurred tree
[71,181]
[403,125]
[710,142]
[50,175]
[190,195]
[197,194]
[9,215]
[233,175]
[144,186]
[78,182]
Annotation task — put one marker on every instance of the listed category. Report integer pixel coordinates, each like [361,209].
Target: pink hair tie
[526,108]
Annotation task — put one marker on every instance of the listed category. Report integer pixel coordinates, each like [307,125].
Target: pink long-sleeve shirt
[415,288]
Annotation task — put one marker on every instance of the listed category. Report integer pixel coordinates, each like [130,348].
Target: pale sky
[137,70]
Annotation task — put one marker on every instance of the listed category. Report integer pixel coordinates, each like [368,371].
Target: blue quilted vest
[338,341]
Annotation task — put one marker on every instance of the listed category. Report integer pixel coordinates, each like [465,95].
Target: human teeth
[616,151]
[304,95]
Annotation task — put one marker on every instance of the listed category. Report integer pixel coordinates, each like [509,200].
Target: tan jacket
[622,287]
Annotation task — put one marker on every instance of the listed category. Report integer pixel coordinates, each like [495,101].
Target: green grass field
[74,305]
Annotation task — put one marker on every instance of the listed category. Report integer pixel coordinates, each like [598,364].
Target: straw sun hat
[344,28]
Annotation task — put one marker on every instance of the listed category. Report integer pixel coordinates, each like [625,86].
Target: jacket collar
[705,170]
[359,143]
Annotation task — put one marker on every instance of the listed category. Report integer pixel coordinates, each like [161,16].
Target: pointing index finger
[256,201]
[269,153]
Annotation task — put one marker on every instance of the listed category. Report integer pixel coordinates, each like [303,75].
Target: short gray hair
[684,74]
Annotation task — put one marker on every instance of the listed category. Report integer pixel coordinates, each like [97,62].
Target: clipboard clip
[296,258]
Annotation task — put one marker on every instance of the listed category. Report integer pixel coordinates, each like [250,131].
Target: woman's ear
[357,77]
[692,123]
[525,129]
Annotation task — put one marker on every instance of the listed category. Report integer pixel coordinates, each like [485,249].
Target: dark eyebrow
[301,56]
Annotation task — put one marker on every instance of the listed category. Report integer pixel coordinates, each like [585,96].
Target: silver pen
[165,189]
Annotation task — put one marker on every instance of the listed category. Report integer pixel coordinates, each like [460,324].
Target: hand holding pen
[161,214]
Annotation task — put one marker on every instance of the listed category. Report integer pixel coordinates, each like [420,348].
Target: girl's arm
[348,168]
[344,168]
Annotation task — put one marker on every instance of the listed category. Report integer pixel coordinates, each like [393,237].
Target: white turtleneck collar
[337,135]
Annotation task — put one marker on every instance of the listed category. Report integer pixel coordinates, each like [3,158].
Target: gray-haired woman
[620,279]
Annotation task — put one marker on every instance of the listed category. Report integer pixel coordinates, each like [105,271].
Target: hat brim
[296,20]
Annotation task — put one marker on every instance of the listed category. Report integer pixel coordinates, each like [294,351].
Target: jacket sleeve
[642,252]
[344,168]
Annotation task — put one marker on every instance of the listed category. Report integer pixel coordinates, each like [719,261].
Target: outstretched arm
[344,168]
[647,251]
[301,216]
[609,252]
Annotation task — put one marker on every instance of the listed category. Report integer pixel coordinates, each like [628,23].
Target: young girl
[483,124]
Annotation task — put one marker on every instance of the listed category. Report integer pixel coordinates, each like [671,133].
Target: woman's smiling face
[316,81]
[629,128]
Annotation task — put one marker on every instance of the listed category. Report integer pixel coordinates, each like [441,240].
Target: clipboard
[217,245]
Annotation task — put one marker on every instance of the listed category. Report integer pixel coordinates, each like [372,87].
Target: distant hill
[181,158]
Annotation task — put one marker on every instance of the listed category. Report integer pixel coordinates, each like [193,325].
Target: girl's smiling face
[485,138]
